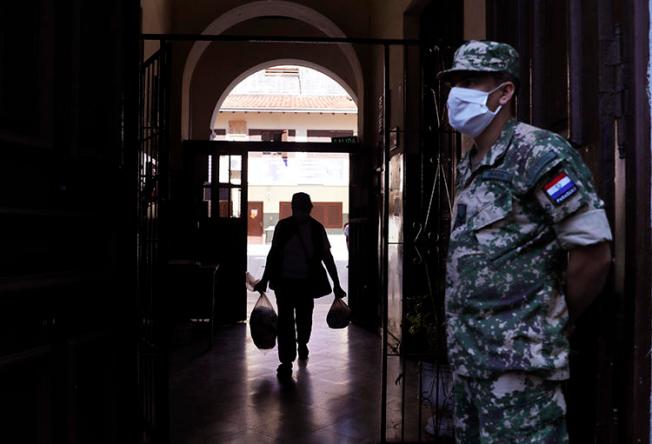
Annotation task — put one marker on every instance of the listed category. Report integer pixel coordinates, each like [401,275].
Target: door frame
[209,146]
[235,309]
[219,147]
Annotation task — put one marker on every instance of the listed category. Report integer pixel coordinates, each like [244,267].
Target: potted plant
[426,334]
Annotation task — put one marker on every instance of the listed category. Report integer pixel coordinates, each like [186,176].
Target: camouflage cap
[483,56]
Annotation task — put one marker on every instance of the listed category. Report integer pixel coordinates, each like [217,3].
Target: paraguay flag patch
[560,188]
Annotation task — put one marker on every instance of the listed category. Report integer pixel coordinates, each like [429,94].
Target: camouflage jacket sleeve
[563,187]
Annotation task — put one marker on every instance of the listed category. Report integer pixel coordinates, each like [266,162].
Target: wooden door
[284,210]
[217,183]
[255,219]
[328,213]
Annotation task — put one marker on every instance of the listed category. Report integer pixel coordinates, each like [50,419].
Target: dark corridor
[231,395]
[86,132]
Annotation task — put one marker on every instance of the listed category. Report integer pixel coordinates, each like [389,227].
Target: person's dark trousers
[294,307]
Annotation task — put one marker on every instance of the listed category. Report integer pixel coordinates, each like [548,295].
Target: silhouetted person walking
[295,273]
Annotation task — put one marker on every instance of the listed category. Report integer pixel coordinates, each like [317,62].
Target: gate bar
[385,43]
[290,147]
[384,278]
[278,39]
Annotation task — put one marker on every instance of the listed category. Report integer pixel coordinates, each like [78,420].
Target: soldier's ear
[507,92]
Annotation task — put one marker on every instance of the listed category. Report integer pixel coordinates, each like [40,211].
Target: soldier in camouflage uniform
[529,249]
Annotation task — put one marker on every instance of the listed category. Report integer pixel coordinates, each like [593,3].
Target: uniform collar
[495,153]
[499,148]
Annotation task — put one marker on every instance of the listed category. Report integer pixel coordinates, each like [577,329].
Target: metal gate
[152,190]
[419,186]
[417,404]
[416,395]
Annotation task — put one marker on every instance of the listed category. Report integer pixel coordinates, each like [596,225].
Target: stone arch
[276,62]
[264,8]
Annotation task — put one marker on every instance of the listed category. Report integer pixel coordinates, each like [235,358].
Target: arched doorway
[253,125]
[303,92]
[347,89]
[336,392]
[257,9]
[292,103]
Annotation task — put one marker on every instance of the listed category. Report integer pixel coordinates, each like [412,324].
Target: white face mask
[468,112]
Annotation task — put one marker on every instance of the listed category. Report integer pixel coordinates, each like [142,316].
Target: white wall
[274,178]
[300,122]
[299,169]
[272,195]
[324,176]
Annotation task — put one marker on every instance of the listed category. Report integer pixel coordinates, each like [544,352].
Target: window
[237,127]
[223,188]
[326,135]
[272,135]
[218,134]
[282,71]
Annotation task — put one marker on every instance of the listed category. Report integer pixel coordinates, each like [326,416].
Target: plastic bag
[262,323]
[339,315]
[250,281]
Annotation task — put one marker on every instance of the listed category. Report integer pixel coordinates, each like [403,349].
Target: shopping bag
[339,315]
[250,281]
[262,323]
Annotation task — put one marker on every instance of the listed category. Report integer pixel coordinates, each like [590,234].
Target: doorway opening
[290,103]
[273,178]
[280,133]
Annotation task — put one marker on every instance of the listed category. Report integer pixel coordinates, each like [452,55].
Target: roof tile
[266,102]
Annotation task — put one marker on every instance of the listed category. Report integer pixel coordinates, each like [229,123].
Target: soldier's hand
[339,292]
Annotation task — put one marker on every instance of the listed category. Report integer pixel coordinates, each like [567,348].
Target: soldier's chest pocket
[491,224]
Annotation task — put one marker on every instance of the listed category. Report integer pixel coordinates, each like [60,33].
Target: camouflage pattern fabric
[484,56]
[505,305]
[511,409]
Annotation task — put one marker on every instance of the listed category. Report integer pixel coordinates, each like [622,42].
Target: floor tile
[230,394]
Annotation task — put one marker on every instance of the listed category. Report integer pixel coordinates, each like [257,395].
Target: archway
[297,62]
[265,9]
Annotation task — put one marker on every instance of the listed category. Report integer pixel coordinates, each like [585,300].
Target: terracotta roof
[280,103]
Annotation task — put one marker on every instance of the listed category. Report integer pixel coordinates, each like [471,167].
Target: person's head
[301,204]
[485,80]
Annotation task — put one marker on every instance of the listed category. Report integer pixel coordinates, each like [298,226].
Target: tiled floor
[231,394]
